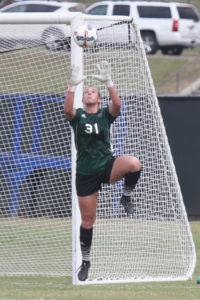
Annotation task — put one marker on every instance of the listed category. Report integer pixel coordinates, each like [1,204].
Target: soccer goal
[39,215]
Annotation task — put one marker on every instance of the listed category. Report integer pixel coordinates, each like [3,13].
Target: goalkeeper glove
[104,74]
[75,78]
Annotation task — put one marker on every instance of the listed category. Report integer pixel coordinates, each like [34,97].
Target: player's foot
[83,273]
[128,206]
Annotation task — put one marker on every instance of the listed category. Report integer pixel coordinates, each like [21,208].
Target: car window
[32,8]
[154,12]
[99,10]
[40,8]
[121,10]
[19,8]
[187,13]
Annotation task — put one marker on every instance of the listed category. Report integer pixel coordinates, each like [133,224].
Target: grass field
[172,74]
[61,288]
[161,67]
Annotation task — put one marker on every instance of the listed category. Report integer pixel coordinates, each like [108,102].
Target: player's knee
[88,221]
[135,164]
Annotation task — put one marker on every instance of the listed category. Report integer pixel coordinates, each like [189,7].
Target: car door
[22,32]
[107,33]
[120,9]
[189,21]
[157,19]
[100,10]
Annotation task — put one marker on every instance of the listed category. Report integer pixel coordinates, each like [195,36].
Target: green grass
[183,69]
[50,65]
[162,67]
[46,288]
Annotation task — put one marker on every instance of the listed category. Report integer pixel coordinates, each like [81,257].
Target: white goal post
[39,214]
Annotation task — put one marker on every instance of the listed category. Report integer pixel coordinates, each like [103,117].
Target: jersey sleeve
[76,118]
[110,118]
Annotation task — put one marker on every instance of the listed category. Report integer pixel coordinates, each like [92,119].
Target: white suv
[169,26]
[50,35]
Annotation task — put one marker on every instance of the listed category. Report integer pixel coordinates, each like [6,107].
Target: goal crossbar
[56,18]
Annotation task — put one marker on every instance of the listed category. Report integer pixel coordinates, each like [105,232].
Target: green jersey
[92,139]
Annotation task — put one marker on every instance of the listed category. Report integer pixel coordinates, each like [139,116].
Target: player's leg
[123,166]
[128,167]
[87,206]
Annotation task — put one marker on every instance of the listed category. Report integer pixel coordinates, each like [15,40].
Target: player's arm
[69,109]
[75,79]
[105,77]
[115,106]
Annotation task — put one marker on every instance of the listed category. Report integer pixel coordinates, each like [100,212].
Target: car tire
[176,50]
[54,39]
[150,41]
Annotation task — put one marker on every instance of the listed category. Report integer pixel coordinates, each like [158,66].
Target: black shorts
[89,184]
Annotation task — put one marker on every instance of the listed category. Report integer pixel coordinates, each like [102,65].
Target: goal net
[36,165]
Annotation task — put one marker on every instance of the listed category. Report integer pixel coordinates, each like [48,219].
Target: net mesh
[35,165]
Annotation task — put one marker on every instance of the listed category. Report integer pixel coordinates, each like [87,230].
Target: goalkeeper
[95,161]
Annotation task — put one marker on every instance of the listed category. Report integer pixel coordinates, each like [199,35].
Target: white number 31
[89,128]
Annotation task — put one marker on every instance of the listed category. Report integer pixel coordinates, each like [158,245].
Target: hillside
[173,74]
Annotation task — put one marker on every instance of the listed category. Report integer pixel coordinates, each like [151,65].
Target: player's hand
[104,73]
[75,77]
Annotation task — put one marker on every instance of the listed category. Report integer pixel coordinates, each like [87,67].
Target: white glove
[104,73]
[75,78]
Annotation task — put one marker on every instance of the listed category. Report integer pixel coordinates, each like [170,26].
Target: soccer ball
[85,36]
